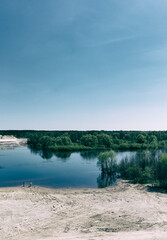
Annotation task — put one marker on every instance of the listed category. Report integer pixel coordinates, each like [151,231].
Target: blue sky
[83,64]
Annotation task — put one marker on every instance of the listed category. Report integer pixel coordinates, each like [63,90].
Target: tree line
[92,140]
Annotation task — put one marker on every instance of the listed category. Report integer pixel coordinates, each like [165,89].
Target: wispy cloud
[110,41]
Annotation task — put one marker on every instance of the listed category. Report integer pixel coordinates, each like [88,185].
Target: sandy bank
[11,142]
[121,212]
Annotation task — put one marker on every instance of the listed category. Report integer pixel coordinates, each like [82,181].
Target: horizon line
[51,130]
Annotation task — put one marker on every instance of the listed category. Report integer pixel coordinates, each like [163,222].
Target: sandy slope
[11,142]
[123,212]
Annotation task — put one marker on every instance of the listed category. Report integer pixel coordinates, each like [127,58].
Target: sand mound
[123,212]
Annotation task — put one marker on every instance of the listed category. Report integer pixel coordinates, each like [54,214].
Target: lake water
[60,170]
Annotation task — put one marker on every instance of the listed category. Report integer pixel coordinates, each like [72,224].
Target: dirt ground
[122,212]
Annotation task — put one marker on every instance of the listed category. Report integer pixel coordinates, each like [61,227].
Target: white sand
[124,212]
[10,142]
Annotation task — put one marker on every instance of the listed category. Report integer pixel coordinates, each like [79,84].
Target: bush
[63,141]
[162,170]
[107,161]
[89,140]
[104,140]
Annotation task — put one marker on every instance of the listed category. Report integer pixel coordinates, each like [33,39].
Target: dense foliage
[91,140]
[144,167]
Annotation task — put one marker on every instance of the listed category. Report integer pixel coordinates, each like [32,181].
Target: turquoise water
[51,170]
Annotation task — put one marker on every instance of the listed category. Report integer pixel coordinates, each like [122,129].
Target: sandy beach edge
[124,211]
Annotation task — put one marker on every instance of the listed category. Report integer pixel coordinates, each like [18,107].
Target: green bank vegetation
[145,167]
[107,163]
[92,140]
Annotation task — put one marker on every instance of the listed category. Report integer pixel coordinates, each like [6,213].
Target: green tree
[108,166]
[104,140]
[141,138]
[89,140]
[162,169]
[107,161]
[63,141]
[46,142]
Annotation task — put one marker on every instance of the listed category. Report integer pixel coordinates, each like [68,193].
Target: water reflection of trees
[42,153]
[45,154]
[89,155]
[105,180]
[33,150]
[63,155]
